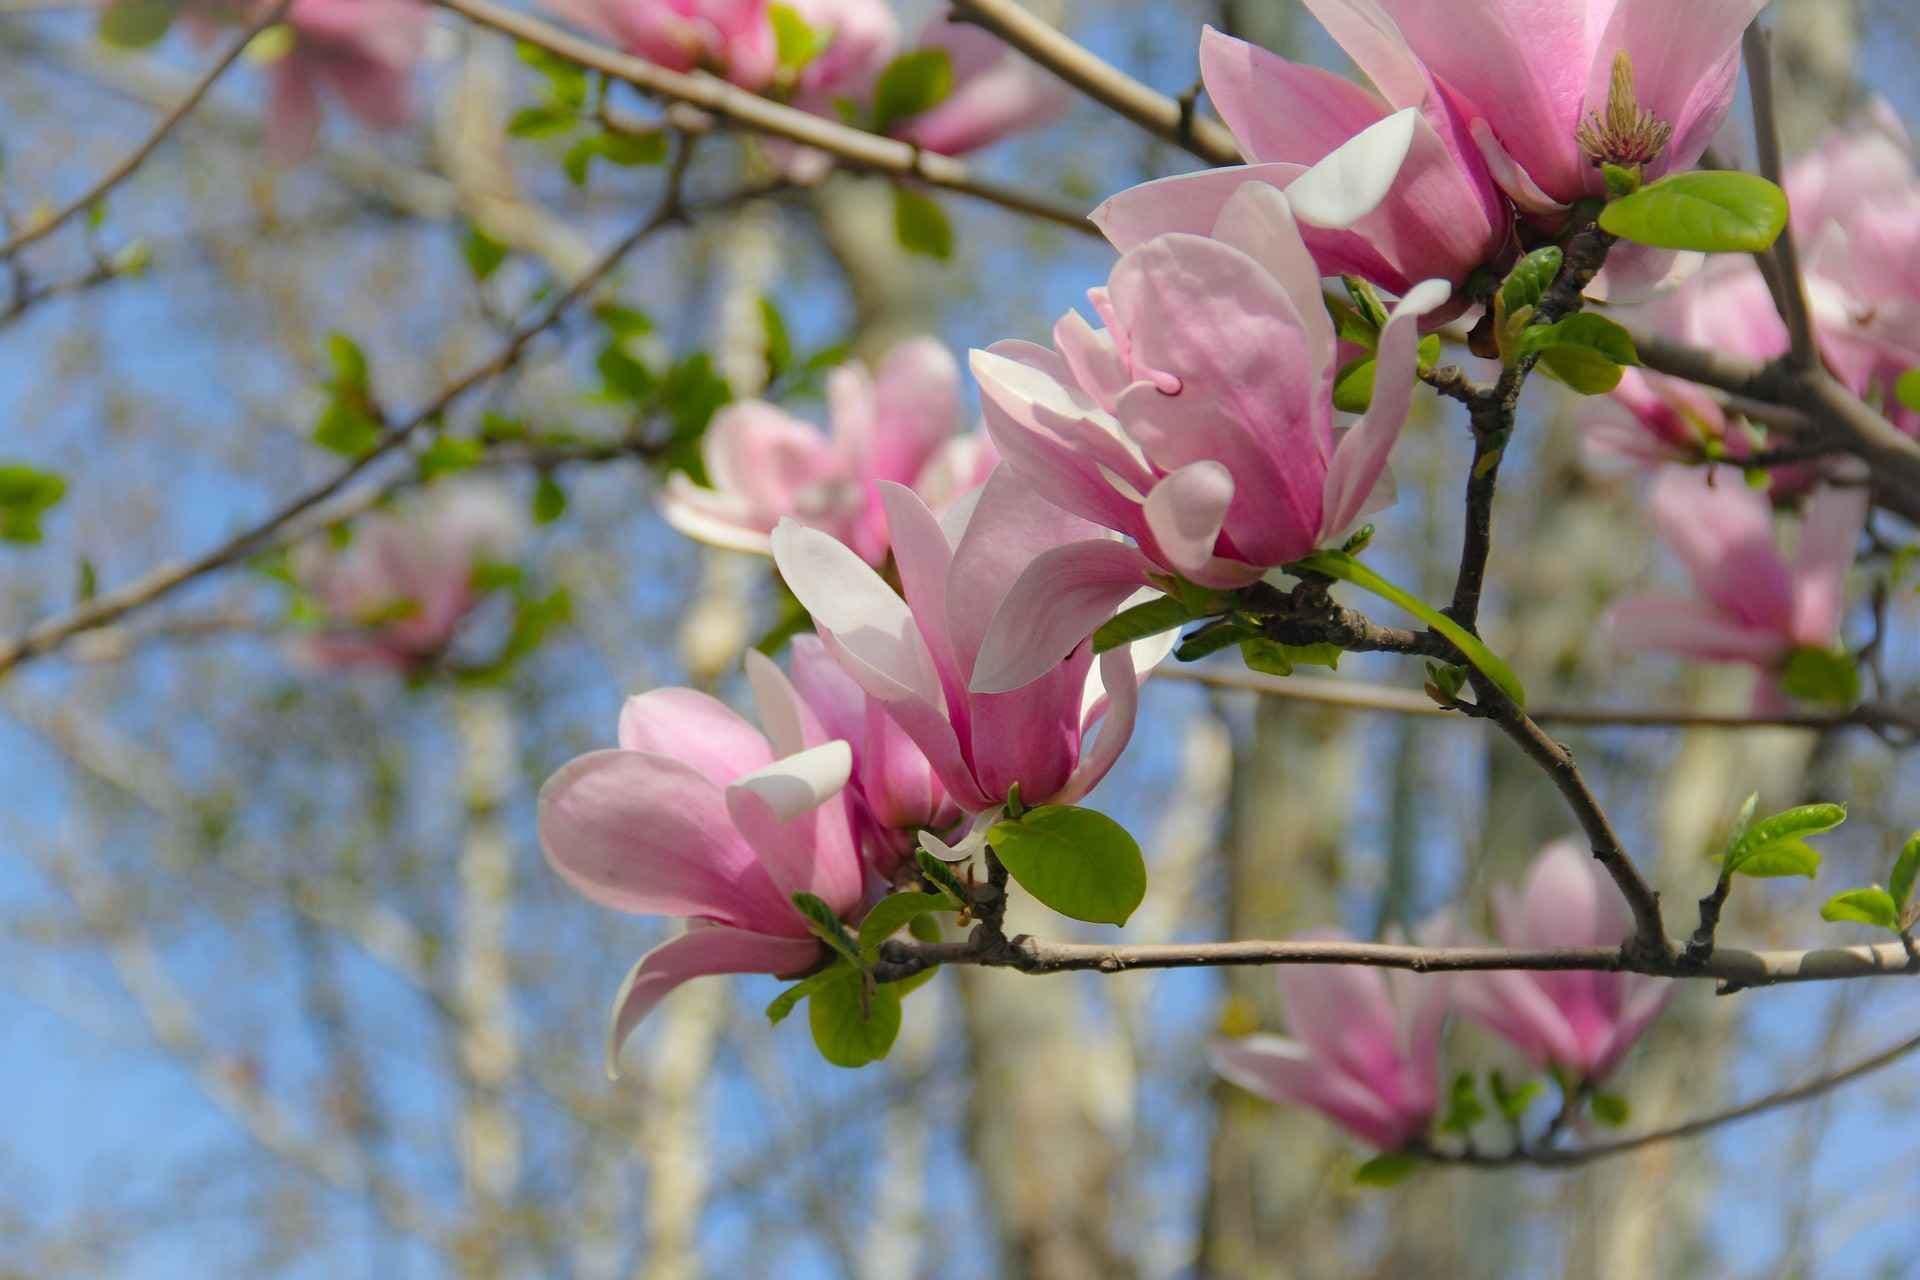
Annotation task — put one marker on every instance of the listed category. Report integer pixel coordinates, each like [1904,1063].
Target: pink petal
[1284,1071]
[1118,713]
[872,626]
[1258,220]
[701,731]
[1829,537]
[651,835]
[924,559]
[701,951]
[802,840]
[1722,530]
[1185,512]
[1055,603]
[1684,63]
[792,726]
[1691,629]
[1281,110]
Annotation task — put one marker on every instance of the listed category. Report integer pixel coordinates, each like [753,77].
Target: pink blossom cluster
[1365,1043]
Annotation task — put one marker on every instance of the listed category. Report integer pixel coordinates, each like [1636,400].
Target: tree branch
[853,148]
[1790,288]
[1100,80]
[138,156]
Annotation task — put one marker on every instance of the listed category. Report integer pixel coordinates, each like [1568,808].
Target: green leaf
[542,121]
[1621,180]
[1428,353]
[1585,351]
[1530,278]
[789,1000]
[1214,637]
[1581,370]
[1874,906]
[1707,211]
[1829,677]
[776,343]
[26,494]
[86,583]
[630,149]
[1353,385]
[1900,884]
[921,225]
[911,84]
[1464,1108]
[1388,1169]
[1338,564]
[1513,1102]
[135,24]
[483,253]
[624,378]
[1610,1109]
[796,43]
[892,914]
[1349,325]
[826,926]
[1142,620]
[1275,659]
[1779,841]
[566,81]
[1782,858]
[549,500]
[349,364]
[345,430]
[693,391]
[1081,863]
[1906,389]
[577,163]
[448,454]
[623,322]
[853,1026]
[940,876]
[1372,311]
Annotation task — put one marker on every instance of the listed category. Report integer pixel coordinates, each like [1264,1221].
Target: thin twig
[138,156]
[853,148]
[1101,80]
[1791,291]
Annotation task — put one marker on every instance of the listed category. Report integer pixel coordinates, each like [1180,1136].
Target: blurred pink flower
[996,92]
[1198,423]
[1364,1050]
[394,596]
[1388,186]
[1754,605]
[731,38]
[916,656]
[766,465]
[698,814]
[1582,1022]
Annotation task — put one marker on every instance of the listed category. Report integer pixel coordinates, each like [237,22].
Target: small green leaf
[776,343]
[1707,211]
[346,431]
[1464,1108]
[892,914]
[826,926]
[1428,353]
[1081,863]
[549,500]
[1353,385]
[1349,325]
[789,1000]
[349,364]
[1215,636]
[86,581]
[1137,623]
[448,454]
[1609,1109]
[796,43]
[1874,906]
[1366,302]
[135,24]
[1580,370]
[483,253]
[1906,389]
[921,224]
[623,322]
[1530,278]
[1275,659]
[913,83]
[1900,884]
[1513,1102]
[1337,564]
[1014,808]
[1829,677]
[1388,1169]
[542,121]
[566,81]
[1621,180]
[853,1026]
[630,149]
[577,163]
[1779,842]
[26,494]
[940,876]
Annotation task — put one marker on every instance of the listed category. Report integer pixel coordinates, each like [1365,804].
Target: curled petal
[701,951]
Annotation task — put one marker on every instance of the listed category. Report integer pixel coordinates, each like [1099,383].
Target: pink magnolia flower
[697,814]
[731,38]
[1754,605]
[1365,1050]
[916,656]
[894,793]
[766,465]
[1529,77]
[1198,423]
[996,92]
[394,596]
[1388,186]
[1651,419]
[1581,1022]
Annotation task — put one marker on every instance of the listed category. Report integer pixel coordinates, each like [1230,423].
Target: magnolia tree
[1179,481]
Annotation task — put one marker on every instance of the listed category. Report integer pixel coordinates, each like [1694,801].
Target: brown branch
[138,156]
[111,606]
[853,148]
[1100,80]
[1738,968]
[1385,698]
[1789,286]
[1567,1159]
